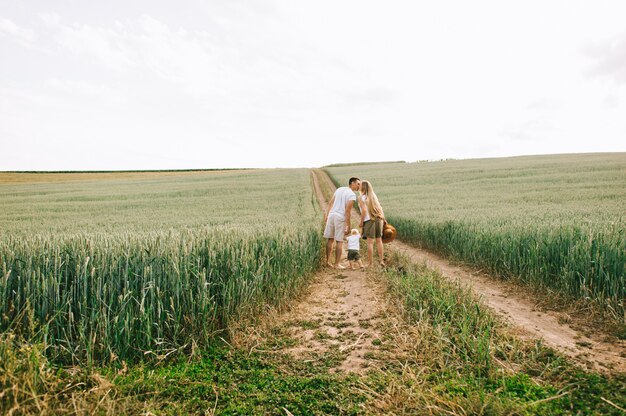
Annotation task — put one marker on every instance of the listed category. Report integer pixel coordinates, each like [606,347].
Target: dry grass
[30,385]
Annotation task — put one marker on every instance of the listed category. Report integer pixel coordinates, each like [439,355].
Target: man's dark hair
[353,179]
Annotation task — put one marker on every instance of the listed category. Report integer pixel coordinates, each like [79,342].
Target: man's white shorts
[335,227]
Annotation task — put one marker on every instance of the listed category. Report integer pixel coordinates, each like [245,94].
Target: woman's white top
[367,214]
[353,242]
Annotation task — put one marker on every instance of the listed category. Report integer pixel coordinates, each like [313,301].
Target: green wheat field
[120,292]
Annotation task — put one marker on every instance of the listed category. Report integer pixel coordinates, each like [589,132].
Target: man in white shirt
[337,218]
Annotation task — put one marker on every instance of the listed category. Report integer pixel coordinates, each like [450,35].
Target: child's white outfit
[353,247]
[353,242]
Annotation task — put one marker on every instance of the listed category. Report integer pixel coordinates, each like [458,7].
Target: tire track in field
[590,351]
[341,317]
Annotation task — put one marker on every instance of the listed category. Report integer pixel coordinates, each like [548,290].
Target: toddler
[353,249]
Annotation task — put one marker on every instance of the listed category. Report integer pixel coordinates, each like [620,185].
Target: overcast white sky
[207,84]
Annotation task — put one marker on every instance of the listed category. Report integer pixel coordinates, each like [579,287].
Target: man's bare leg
[338,251]
[329,250]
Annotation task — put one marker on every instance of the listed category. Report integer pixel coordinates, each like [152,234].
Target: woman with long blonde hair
[372,221]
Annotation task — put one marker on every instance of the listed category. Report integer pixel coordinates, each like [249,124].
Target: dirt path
[341,317]
[521,313]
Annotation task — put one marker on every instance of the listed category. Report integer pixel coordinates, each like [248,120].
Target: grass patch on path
[229,381]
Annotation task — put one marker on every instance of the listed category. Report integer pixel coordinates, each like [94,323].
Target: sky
[221,84]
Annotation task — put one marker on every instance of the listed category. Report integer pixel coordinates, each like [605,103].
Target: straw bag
[389,233]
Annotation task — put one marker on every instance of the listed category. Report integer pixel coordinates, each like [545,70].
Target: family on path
[337,219]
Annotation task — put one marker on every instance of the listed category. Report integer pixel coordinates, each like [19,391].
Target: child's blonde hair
[354,231]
